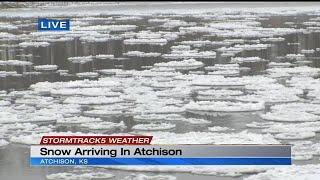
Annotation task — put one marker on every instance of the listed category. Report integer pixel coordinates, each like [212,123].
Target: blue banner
[53,25]
[38,161]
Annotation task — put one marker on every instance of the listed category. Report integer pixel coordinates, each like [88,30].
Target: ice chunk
[310,171]
[82,176]
[153,127]
[224,106]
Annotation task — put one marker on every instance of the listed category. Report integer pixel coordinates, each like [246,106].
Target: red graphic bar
[95,140]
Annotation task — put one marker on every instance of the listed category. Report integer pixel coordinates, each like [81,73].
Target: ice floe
[153,127]
[181,65]
[149,177]
[3,142]
[82,176]
[310,171]
[223,106]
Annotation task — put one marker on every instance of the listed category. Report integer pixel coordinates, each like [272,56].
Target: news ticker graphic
[94,140]
[73,153]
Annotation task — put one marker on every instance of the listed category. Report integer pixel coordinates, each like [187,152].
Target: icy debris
[301,70]
[217,81]
[295,135]
[279,64]
[247,59]
[224,106]
[181,65]
[307,51]
[4,103]
[310,171]
[194,121]
[243,137]
[87,74]
[92,100]
[104,113]
[273,39]
[104,56]
[299,107]
[295,56]
[160,42]
[84,92]
[197,43]
[180,48]
[35,137]
[235,25]
[103,125]
[303,150]
[259,125]
[46,67]
[3,142]
[177,23]
[153,127]
[292,127]
[270,96]
[82,176]
[33,44]
[15,63]
[128,18]
[149,177]
[78,120]
[232,171]
[219,129]
[190,54]
[218,94]
[80,59]
[289,116]
[141,54]
[112,27]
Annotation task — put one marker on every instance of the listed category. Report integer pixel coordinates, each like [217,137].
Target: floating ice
[16,63]
[82,176]
[243,137]
[33,44]
[78,120]
[46,67]
[112,27]
[87,74]
[259,125]
[141,54]
[153,127]
[223,106]
[247,59]
[289,116]
[295,56]
[80,59]
[160,42]
[307,51]
[310,171]
[85,92]
[190,54]
[295,135]
[92,100]
[216,94]
[273,39]
[148,177]
[181,65]
[3,142]
[103,125]
[217,81]
[219,129]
